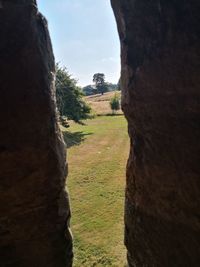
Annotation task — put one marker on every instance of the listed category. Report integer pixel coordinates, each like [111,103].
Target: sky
[84,37]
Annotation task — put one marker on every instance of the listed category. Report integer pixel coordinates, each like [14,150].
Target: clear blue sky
[84,37]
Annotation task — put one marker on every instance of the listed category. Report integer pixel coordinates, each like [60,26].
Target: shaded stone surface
[34,207]
[160,52]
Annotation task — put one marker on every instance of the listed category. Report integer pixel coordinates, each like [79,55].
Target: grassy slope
[100,103]
[96,183]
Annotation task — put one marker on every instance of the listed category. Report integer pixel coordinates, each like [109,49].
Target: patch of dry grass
[100,104]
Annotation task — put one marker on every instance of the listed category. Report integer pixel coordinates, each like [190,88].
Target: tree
[89,90]
[99,80]
[119,85]
[69,97]
[112,87]
[115,103]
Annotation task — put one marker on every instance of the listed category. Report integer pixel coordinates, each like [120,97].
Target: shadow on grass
[110,114]
[74,139]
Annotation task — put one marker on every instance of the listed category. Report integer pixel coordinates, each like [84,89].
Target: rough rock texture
[34,209]
[160,43]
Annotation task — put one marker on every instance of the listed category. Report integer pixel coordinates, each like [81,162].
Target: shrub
[115,103]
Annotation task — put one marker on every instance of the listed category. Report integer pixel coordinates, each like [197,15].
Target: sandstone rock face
[160,42]
[34,208]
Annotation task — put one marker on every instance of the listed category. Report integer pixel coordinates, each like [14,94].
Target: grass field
[97,157]
[100,103]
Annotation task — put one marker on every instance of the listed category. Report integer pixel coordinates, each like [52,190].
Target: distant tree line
[100,86]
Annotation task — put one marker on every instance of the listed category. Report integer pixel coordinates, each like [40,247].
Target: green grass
[97,157]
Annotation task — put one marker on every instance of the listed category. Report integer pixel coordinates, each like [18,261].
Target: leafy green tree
[101,85]
[115,103]
[69,97]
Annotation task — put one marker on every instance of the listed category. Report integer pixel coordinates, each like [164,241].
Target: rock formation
[34,208]
[160,53]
